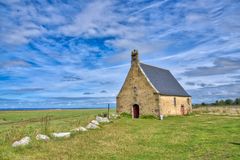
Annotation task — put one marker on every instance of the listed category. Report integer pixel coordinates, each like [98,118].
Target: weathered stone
[42,137]
[102,119]
[61,134]
[95,122]
[92,126]
[24,141]
[168,107]
[82,129]
[138,90]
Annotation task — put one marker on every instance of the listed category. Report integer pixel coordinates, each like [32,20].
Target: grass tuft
[127,115]
[148,117]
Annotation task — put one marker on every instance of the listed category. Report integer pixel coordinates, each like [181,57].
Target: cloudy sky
[77,53]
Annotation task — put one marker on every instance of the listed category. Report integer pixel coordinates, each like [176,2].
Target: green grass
[189,137]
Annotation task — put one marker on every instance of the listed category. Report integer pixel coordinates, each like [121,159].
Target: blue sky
[77,53]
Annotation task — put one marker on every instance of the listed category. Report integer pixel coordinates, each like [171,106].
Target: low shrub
[124,114]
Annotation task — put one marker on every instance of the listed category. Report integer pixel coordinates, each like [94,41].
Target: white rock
[62,134]
[80,129]
[92,126]
[42,137]
[105,120]
[102,119]
[95,122]
[24,141]
[98,118]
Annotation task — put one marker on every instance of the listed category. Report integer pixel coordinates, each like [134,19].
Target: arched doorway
[182,110]
[135,111]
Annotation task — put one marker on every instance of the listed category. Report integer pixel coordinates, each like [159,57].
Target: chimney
[135,56]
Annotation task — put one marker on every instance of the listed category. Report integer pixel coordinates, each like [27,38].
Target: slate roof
[163,81]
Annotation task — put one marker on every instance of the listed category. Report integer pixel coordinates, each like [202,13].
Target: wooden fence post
[108,110]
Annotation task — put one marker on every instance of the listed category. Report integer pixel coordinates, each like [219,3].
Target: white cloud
[73,39]
[91,20]
[151,6]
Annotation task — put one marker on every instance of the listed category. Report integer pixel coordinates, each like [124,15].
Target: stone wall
[167,106]
[137,90]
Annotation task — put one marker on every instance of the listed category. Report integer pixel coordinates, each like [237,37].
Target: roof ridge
[154,67]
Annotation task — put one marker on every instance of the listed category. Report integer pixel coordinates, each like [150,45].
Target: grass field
[218,110]
[189,137]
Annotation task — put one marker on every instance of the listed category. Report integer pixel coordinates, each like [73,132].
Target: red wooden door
[135,111]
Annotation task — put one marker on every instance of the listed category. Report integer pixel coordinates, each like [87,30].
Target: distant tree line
[222,102]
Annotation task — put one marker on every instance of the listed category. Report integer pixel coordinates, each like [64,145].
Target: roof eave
[174,95]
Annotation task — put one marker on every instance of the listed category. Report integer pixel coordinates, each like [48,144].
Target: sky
[77,53]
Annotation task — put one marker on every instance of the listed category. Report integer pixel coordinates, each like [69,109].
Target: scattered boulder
[61,134]
[24,141]
[42,137]
[92,126]
[99,119]
[95,122]
[102,119]
[79,129]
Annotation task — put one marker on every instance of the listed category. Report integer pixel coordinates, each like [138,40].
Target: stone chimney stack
[135,56]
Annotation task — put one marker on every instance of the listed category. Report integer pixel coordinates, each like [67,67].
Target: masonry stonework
[182,106]
[138,90]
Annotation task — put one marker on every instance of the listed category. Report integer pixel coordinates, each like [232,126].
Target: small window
[188,101]
[174,101]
